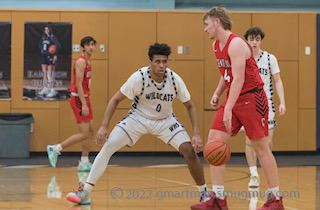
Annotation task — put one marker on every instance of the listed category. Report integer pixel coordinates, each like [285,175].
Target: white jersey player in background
[152,90]
[268,68]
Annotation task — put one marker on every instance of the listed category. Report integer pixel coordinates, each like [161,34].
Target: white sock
[219,191]
[202,187]
[275,192]
[58,148]
[83,177]
[253,171]
[88,187]
[84,159]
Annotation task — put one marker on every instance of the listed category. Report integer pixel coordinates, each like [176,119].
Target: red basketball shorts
[76,106]
[250,111]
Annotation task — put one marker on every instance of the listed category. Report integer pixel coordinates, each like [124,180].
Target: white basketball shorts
[169,130]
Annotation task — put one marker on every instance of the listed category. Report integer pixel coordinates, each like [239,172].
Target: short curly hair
[254,32]
[159,49]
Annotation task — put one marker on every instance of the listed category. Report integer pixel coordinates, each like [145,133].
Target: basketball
[216,153]
[52,49]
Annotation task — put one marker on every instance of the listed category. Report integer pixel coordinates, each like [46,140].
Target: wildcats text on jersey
[223,63]
[159,96]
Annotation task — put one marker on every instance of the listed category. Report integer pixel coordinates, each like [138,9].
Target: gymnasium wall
[127,36]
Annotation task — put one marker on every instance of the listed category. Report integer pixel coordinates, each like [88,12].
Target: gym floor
[150,182]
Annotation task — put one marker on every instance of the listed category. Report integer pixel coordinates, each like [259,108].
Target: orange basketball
[216,153]
[52,49]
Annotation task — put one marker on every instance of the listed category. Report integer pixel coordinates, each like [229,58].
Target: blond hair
[222,14]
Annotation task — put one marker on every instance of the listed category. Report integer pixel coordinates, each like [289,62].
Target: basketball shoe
[52,93]
[212,204]
[84,167]
[205,195]
[44,91]
[254,181]
[52,155]
[272,204]
[80,197]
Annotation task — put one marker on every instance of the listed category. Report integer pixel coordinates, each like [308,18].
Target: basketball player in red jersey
[246,105]
[80,104]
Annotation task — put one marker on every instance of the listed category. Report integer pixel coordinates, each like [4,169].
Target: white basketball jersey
[151,99]
[268,66]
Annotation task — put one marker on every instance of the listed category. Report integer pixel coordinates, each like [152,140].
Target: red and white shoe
[272,204]
[212,204]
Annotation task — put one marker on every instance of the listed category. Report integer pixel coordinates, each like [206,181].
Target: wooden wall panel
[131,35]
[307,130]
[127,36]
[18,20]
[286,133]
[93,24]
[281,33]
[5,106]
[240,23]
[307,63]
[181,29]
[5,16]
[45,128]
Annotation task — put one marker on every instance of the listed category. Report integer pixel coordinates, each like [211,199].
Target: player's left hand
[55,58]
[227,119]
[102,136]
[282,109]
[197,143]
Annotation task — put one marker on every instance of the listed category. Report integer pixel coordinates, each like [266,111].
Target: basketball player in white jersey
[152,90]
[268,69]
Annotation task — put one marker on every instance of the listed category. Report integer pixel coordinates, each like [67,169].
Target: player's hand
[101,136]
[55,58]
[282,109]
[214,102]
[197,143]
[227,119]
[84,110]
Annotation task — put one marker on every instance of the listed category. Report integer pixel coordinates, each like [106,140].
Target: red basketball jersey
[252,76]
[86,78]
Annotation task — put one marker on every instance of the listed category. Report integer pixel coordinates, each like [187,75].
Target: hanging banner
[47,61]
[5,60]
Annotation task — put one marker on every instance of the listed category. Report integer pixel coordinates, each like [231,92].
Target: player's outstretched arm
[196,139]
[103,132]
[280,92]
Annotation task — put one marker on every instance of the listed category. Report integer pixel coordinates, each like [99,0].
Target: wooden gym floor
[150,182]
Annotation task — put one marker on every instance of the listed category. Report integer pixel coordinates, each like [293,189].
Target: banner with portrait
[5,61]
[47,61]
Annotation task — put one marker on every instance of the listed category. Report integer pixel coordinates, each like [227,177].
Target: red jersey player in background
[246,105]
[80,104]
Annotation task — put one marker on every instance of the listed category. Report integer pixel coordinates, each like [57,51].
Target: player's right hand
[84,110]
[102,136]
[214,102]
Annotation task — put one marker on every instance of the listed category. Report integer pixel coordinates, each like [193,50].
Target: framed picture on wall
[5,60]
[47,61]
